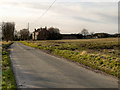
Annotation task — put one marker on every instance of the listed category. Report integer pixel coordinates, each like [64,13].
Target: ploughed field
[100,54]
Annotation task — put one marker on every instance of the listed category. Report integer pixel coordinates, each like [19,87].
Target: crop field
[8,81]
[100,54]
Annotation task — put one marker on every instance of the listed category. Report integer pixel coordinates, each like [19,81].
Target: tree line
[9,33]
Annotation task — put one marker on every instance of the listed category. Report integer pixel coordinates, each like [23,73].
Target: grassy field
[100,54]
[8,81]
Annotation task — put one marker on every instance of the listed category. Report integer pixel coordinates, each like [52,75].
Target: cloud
[86,19]
[108,18]
[69,17]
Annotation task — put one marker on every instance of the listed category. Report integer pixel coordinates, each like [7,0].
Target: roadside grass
[100,54]
[8,80]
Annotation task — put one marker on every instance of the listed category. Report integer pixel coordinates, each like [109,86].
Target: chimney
[35,30]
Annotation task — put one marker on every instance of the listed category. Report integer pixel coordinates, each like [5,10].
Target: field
[8,81]
[99,54]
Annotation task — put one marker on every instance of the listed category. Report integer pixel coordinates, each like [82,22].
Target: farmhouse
[40,34]
[52,34]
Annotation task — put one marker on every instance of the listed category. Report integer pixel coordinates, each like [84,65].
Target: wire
[47,9]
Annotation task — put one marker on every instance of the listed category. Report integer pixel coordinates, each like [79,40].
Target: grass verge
[8,80]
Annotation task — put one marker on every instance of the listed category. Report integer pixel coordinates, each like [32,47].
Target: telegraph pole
[28,26]
[28,30]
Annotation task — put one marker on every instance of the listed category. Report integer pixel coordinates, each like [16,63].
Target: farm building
[69,36]
[40,34]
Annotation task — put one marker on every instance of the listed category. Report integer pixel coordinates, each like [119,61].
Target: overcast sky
[70,16]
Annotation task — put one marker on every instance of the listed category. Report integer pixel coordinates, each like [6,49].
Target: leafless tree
[53,30]
[91,33]
[54,33]
[8,30]
[15,35]
[24,34]
[84,32]
[43,34]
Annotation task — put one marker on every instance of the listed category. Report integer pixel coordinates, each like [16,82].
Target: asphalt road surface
[36,69]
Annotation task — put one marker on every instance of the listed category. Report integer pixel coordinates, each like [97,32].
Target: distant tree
[18,34]
[116,35]
[102,35]
[91,33]
[24,34]
[43,33]
[15,35]
[84,32]
[54,33]
[8,30]
[30,36]
[79,36]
